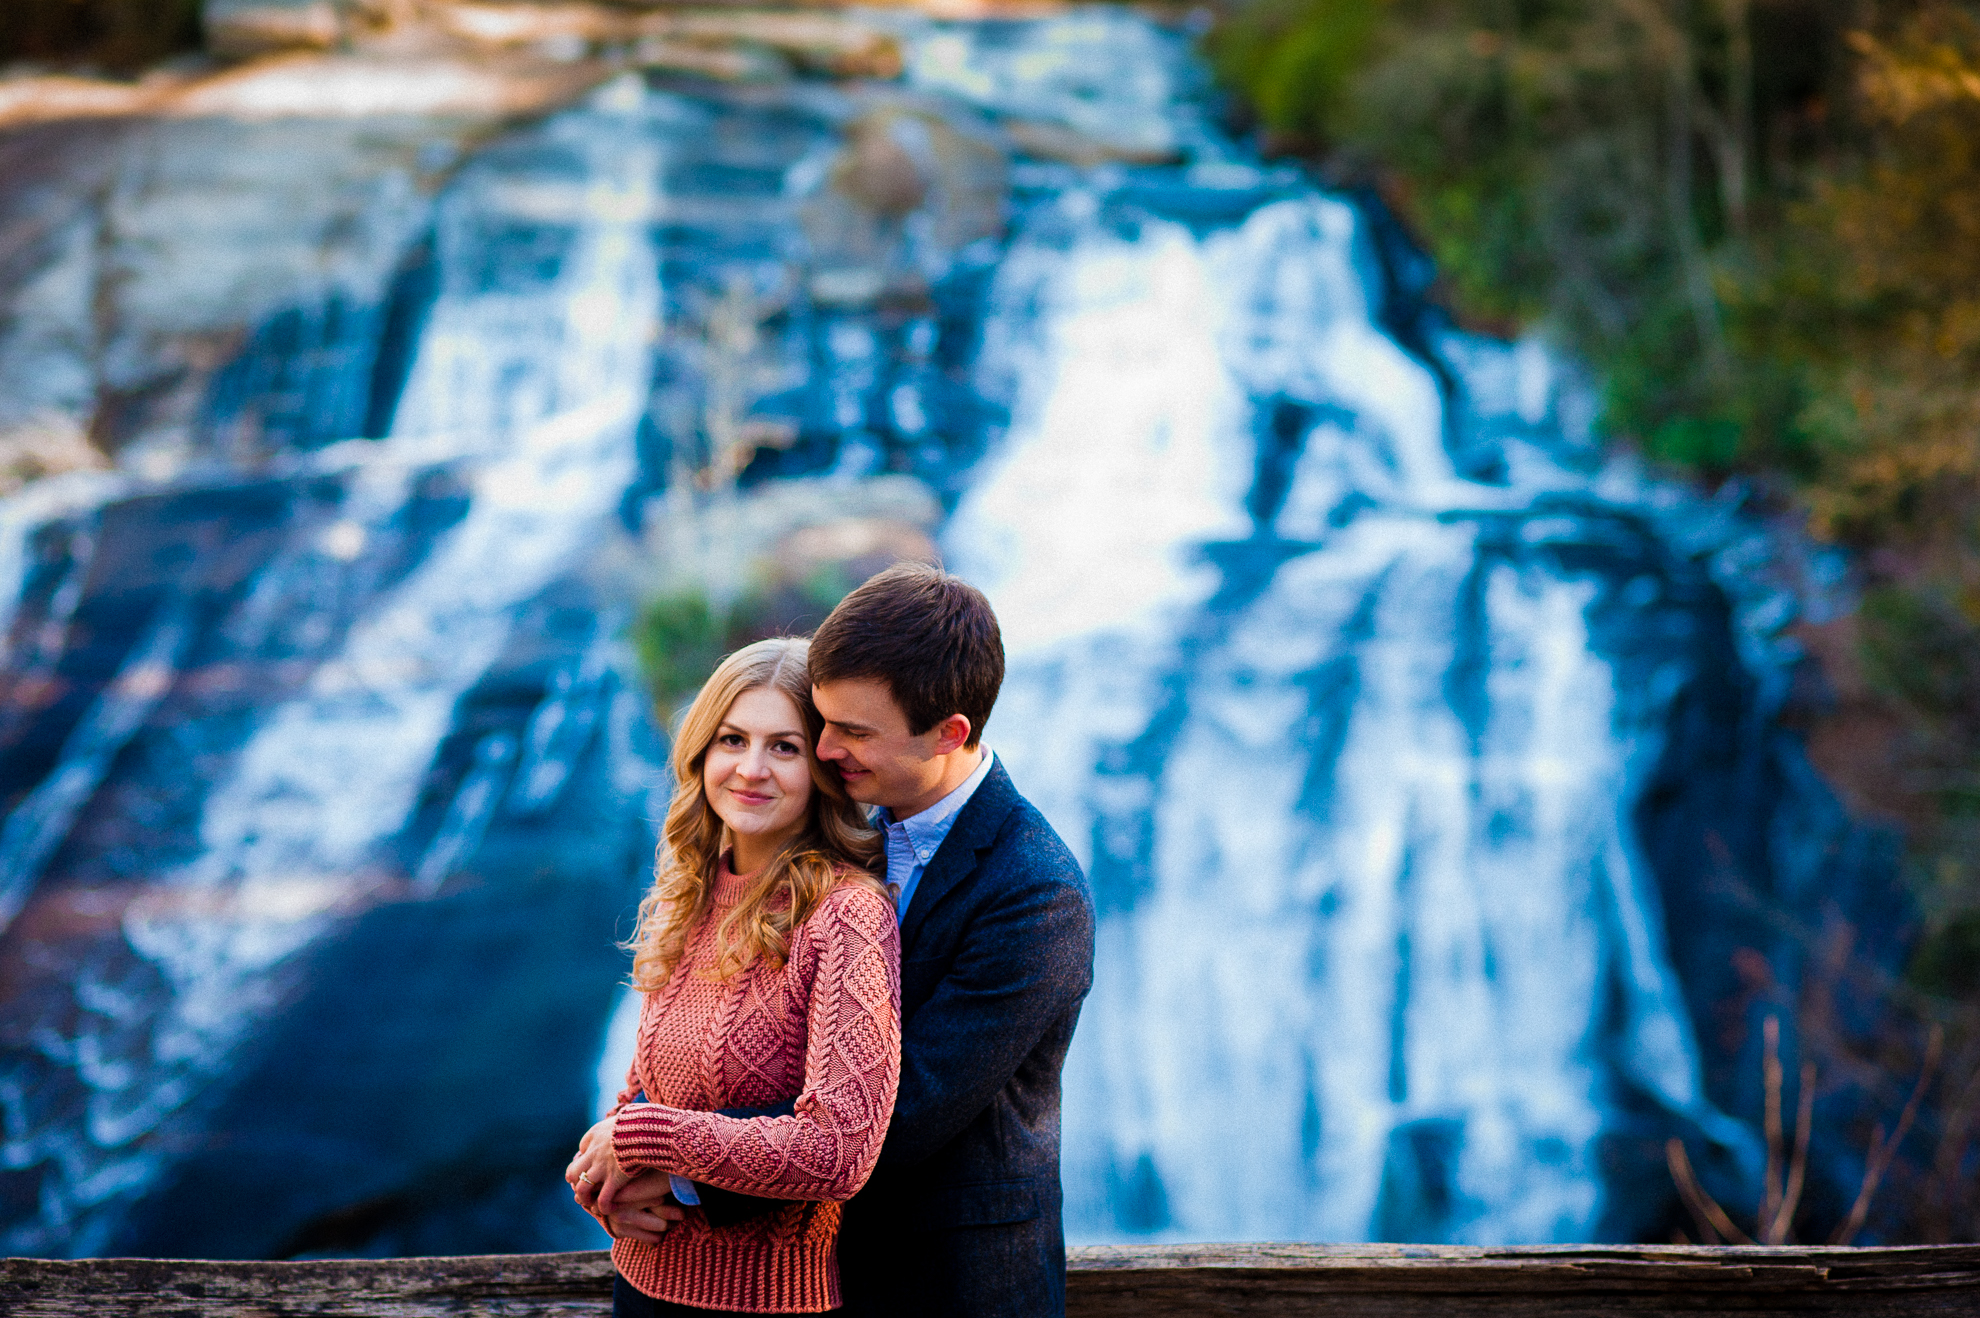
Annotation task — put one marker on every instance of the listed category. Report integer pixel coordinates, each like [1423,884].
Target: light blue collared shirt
[913,842]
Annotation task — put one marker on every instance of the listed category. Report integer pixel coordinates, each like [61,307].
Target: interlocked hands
[639,1206]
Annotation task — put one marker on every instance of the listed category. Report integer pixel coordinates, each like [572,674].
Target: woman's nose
[755,764]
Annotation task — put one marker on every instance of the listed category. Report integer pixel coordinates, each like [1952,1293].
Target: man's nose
[829,747]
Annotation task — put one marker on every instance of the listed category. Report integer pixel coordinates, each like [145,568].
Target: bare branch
[1736,150]
[1956,1134]
[1712,1221]
[1776,1231]
[1882,1150]
[1770,1072]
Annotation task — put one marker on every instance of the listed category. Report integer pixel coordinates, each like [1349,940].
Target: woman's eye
[787,748]
[729,739]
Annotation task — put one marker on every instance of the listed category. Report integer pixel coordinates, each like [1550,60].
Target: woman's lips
[750,798]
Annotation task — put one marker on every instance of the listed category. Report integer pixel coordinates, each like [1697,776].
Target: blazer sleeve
[1024,962]
[827,1147]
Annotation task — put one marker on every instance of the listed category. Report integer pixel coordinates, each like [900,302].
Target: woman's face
[757,775]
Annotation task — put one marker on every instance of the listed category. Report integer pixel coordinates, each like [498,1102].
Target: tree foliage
[1887,253]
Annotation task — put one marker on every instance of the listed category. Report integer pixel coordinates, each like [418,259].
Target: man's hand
[645,1220]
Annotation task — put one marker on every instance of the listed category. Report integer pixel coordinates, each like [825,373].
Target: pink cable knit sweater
[825,1026]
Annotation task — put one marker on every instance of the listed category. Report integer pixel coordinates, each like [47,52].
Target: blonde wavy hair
[836,836]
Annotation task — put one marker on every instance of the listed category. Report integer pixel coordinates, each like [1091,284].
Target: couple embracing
[846,1086]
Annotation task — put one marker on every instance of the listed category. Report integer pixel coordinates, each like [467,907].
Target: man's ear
[951,734]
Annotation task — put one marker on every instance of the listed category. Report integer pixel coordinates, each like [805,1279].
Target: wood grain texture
[498,1285]
[1369,1281]
[1425,1281]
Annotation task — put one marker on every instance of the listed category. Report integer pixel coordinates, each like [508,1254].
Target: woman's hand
[594,1175]
[637,1207]
[592,1166]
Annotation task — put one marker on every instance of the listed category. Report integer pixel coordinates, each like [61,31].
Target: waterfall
[1327,725]
[1365,686]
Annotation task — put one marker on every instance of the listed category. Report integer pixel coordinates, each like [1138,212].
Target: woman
[770,961]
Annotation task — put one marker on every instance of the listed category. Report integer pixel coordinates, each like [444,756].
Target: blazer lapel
[973,833]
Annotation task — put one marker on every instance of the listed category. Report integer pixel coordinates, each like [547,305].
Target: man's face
[866,739]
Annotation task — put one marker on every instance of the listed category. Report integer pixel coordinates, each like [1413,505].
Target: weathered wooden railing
[1367,1281]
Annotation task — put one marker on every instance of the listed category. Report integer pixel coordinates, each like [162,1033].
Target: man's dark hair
[930,636]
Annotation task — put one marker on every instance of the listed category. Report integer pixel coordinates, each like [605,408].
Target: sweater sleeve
[827,1147]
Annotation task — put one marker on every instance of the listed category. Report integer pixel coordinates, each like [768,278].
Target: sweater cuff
[643,1136]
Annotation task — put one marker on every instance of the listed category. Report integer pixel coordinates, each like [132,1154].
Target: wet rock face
[149,256]
[1423,761]
[824,255]
[341,1100]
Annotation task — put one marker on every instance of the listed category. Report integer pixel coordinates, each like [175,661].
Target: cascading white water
[1376,958]
[530,383]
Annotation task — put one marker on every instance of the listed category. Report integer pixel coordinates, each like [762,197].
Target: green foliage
[1887,287]
[679,637]
[1295,59]
[1709,443]
[1923,650]
[122,36]
[679,640]
[1948,962]
[1921,653]
[1477,230]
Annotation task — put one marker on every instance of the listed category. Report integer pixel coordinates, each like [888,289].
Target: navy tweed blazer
[962,1214]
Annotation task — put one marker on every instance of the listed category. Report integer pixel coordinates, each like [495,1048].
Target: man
[962,1215]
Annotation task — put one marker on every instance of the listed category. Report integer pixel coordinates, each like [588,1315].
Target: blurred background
[1481,499]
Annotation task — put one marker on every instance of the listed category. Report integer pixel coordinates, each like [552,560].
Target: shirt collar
[926,831]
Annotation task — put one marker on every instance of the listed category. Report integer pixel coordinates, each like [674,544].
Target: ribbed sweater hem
[708,1271]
